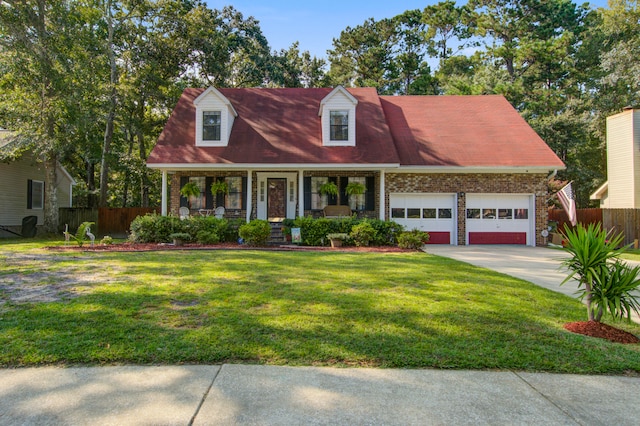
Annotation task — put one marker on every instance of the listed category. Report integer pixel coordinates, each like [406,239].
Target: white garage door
[500,219]
[433,213]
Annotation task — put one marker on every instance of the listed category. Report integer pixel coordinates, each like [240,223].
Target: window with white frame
[339,125]
[211,125]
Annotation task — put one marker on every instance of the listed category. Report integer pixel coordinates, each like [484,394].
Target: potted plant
[355,190]
[337,239]
[329,188]
[189,190]
[179,238]
[218,187]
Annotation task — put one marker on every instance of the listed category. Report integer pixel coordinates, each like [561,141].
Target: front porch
[275,195]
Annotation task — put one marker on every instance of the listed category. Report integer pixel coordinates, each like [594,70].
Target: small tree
[604,283]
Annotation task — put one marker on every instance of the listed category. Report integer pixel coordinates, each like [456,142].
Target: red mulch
[603,331]
[132,247]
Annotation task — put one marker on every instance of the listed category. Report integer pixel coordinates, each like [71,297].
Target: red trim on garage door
[439,238]
[498,238]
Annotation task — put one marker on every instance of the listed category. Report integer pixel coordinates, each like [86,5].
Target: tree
[36,41]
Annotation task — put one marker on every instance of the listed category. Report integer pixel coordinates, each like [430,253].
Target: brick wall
[473,183]
[415,182]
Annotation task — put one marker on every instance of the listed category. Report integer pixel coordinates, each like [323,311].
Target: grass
[408,310]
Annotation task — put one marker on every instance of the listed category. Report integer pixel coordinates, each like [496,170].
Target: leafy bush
[413,239]
[207,237]
[256,232]
[599,281]
[106,240]
[231,233]
[81,234]
[386,232]
[180,236]
[153,228]
[362,234]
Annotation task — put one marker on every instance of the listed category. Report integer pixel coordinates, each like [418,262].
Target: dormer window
[211,125]
[339,125]
[338,117]
[214,118]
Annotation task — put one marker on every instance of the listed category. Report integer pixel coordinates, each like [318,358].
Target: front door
[276,198]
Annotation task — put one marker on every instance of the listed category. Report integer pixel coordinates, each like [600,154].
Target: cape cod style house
[467,169]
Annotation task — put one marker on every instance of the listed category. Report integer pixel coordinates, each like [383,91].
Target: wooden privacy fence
[626,221]
[584,216]
[109,221]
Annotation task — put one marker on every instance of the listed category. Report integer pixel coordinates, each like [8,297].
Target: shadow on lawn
[214,309]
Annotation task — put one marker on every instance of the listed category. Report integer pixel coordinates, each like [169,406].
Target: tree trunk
[51,194]
[587,299]
[113,102]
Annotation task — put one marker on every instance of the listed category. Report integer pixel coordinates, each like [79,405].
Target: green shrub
[613,291]
[207,237]
[413,239]
[106,240]
[231,234]
[386,232]
[256,232]
[180,236]
[362,234]
[153,228]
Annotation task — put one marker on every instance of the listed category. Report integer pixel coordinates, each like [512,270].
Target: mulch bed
[603,331]
[138,247]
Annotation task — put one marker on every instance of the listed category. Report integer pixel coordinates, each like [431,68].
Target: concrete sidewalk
[269,395]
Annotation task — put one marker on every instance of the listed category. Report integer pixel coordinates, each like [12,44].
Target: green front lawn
[294,308]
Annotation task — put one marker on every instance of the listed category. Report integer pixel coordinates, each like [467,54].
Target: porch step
[276,237]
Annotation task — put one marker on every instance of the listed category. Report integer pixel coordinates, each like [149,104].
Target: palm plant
[603,283]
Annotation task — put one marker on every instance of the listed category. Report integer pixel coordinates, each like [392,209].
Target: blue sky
[316,23]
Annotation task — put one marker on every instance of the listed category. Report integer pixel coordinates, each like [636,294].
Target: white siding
[211,102]
[636,157]
[622,161]
[338,102]
[13,190]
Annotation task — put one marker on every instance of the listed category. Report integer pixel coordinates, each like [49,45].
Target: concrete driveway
[539,265]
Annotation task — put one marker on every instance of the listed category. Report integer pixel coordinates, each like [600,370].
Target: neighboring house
[22,182]
[467,169]
[622,189]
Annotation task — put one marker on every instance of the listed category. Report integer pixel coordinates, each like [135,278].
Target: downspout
[300,193]
[249,194]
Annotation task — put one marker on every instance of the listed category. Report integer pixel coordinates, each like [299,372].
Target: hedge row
[314,231]
[153,228]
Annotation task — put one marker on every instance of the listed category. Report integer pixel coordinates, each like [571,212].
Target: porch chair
[219,212]
[183,212]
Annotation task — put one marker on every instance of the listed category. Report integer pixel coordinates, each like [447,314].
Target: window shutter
[344,198]
[208,196]
[370,194]
[244,193]
[183,200]
[333,199]
[29,194]
[307,193]
[220,195]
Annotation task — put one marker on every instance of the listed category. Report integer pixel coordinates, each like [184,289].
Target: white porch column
[383,208]
[249,194]
[301,193]
[163,209]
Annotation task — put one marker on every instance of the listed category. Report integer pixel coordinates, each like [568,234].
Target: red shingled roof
[282,126]
[277,126]
[468,131]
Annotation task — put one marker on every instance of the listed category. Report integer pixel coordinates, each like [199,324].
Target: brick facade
[412,183]
[473,183]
